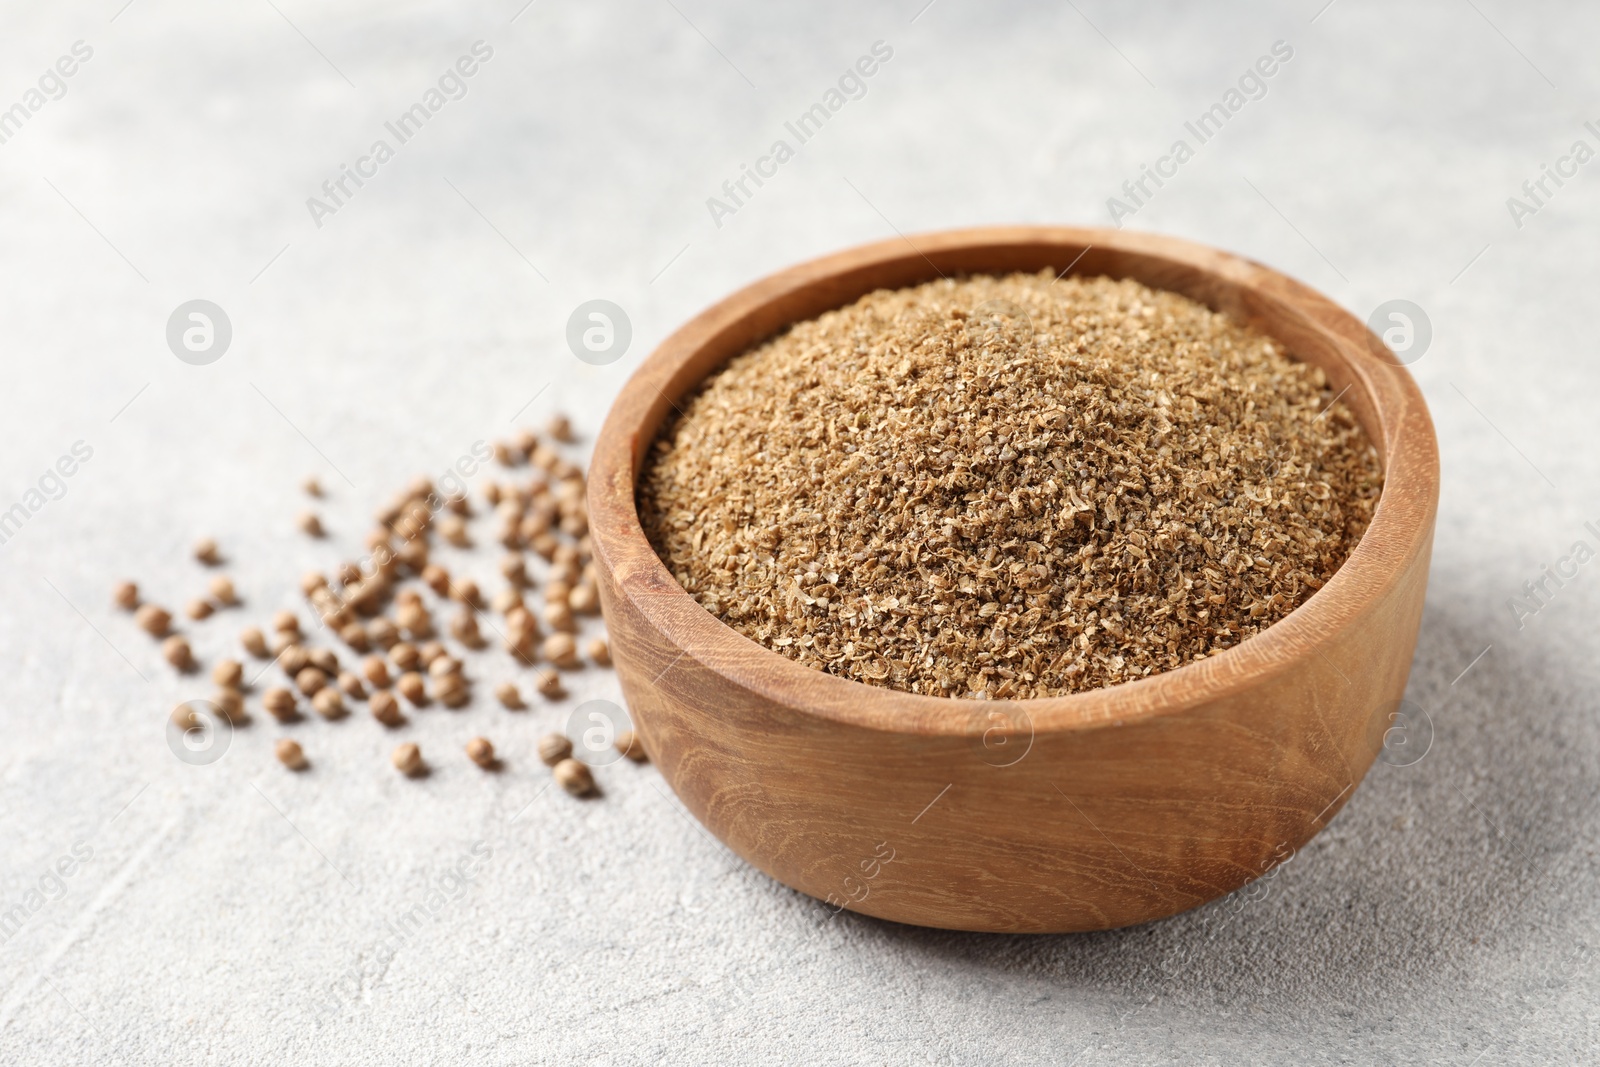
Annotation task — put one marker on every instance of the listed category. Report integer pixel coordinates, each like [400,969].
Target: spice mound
[1009,487]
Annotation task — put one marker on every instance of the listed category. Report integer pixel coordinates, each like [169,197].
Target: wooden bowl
[1083,812]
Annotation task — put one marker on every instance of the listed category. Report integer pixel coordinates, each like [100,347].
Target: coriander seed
[310,680]
[126,596]
[629,745]
[508,695]
[574,777]
[310,524]
[355,635]
[324,660]
[198,609]
[553,748]
[560,428]
[385,708]
[286,622]
[548,682]
[311,486]
[280,704]
[405,655]
[231,703]
[329,703]
[254,642]
[383,633]
[206,551]
[178,653]
[453,528]
[153,620]
[222,590]
[481,752]
[413,688]
[228,672]
[290,754]
[437,579]
[350,683]
[377,671]
[407,759]
[585,600]
[598,651]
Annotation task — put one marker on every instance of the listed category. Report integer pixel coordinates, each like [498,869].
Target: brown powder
[1009,487]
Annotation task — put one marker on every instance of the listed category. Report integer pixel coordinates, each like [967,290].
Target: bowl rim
[1401,527]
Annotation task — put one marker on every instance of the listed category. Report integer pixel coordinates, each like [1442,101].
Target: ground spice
[1009,487]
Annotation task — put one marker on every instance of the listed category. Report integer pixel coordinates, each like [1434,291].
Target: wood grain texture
[1090,811]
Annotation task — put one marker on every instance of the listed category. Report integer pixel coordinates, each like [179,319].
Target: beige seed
[222,590]
[125,595]
[505,601]
[383,633]
[545,545]
[311,581]
[430,652]
[548,683]
[228,672]
[585,600]
[293,658]
[405,655]
[557,590]
[413,688]
[560,428]
[153,620]
[553,748]
[574,524]
[206,551]
[481,752]
[280,704]
[231,703]
[493,493]
[574,777]
[311,486]
[532,526]
[254,642]
[453,528]
[464,628]
[290,754]
[566,555]
[355,635]
[310,524]
[407,759]
[286,622]
[508,694]
[386,709]
[442,665]
[199,608]
[598,651]
[467,592]
[525,440]
[559,616]
[329,703]
[350,682]
[407,597]
[310,680]
[629,745]
[561,650]
[545,458]
[452,690]
[514,569]
[437,579]
[178,653]
[324,660]
[377,671]
[505,455]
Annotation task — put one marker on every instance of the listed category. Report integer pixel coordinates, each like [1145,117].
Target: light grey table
[235,913]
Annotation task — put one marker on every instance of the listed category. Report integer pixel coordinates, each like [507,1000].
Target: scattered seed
[560,428]
[286,622]
[377,671]
[598,651]
[466,591]
[312,486]
[329,703]
[514,569]
[548,682]
[407,759]
[280,704]
[585,600]
[126,595]
[413,688]
[153,620]
[452,690]
[481,752]
[228,672]
[231,703]
[383,633]
[437,579]
[355,635]
[290,754]
[350,683]
[222,590]
[464,628]
[553,748]
[325,660]
[254,642]
[385,708]
[508,694]
[574,777]
[453,528]
[293,658]
[310,524]
[205,550]
[199,608]
[629,745]
[559,617]
[310,680]
[178,653]
[405,655]
[443,665]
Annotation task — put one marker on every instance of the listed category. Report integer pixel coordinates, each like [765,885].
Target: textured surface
[1448,914]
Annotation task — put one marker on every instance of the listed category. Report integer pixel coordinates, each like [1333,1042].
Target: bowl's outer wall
[1008,818]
